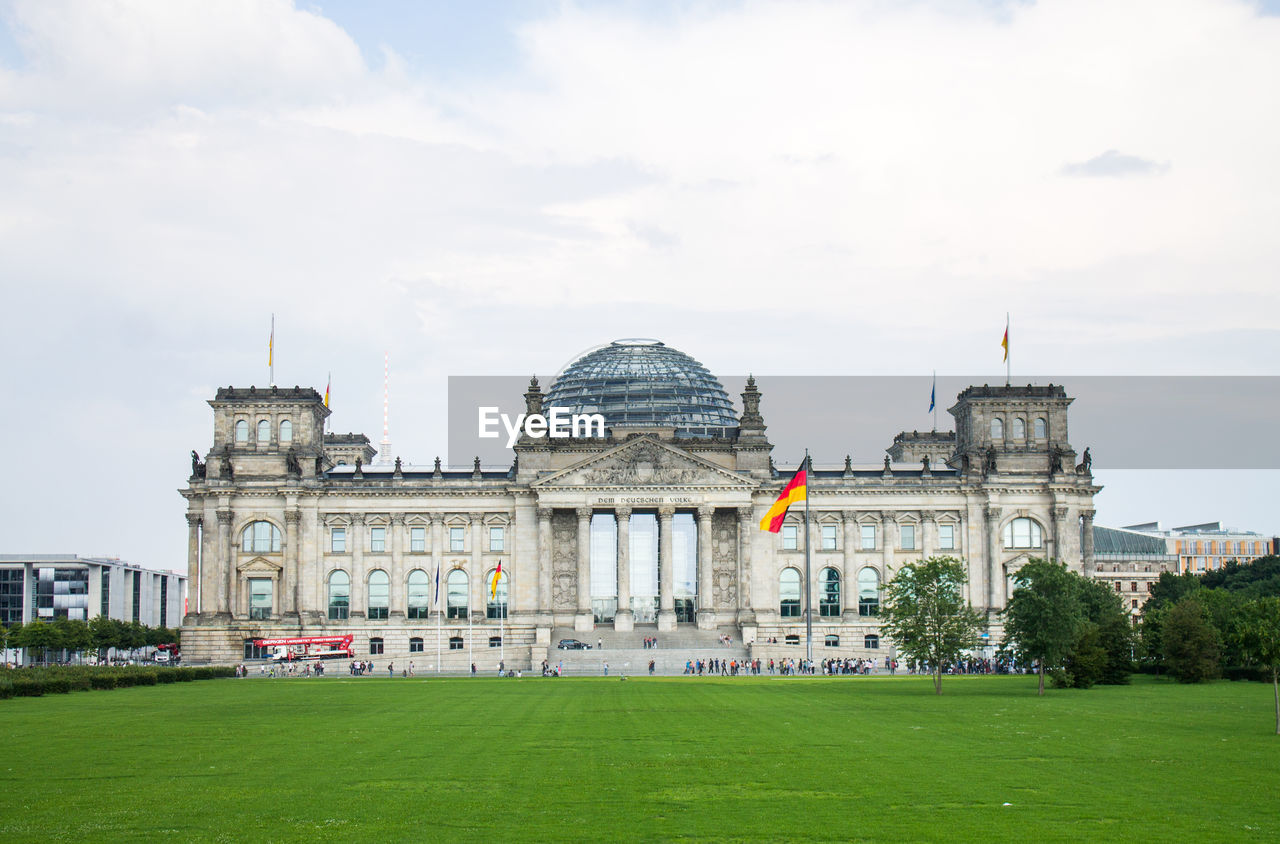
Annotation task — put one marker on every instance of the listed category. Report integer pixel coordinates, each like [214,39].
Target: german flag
[796,490]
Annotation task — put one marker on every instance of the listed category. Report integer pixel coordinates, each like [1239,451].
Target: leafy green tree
[73,634]
[106,634]
[10,635]
[1109,629]
[134,636]
[1044,615]
[925,612]
[1192,645]
[41,637]
[1258,633]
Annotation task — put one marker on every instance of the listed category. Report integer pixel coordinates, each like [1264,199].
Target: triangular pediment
[259,565]
[644,462]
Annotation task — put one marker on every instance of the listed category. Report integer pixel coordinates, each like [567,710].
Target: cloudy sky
[491,188]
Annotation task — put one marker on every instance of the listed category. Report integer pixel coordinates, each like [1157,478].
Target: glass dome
[647,383]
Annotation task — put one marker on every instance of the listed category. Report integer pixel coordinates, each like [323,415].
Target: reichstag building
[651,530]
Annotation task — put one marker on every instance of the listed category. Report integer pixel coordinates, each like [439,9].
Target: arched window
[831,641]
[242,431]
[457,594]
[419,594]
[871,642]
[261,538]
[997,428]
[415,645]
[286,431]
[1041,429]
[1019,428]
[789,593]
[339,595]
[1023,533]
[829,593]
[264,431]
[868,592]
[497,599]
[455,643]
[379,593]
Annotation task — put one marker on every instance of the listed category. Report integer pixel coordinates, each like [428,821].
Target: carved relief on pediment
[646,464]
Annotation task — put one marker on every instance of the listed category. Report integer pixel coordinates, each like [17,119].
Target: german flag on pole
[493,588]
[795,491]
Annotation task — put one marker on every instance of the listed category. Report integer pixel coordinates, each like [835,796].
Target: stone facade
[295,533]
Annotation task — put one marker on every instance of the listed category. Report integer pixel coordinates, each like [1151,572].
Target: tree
[925,612]
[1191,644]
[1108,629]
[1258,633]
[1044,615]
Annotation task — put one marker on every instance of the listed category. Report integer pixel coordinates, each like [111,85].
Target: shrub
[184,675]
[56,685]
[146,678]
[6,689]
[166,676]
[103,680]
[27,687]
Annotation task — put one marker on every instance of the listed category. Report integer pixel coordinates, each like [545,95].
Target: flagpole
[439,667]
[1008,359]
[471,636]
[808,598]
[933,400]
[271,352]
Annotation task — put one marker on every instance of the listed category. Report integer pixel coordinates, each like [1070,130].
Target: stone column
[666,569]
[291,579]
[193,563]
[849,586]
[544,564]
[928,533]
[359,603]
[479,589]
[746,530]
[435,547]
[888,540]
[1090,564]
[584,620]
[625,618]
[995,574]
[226,558]
[706,538]
[1059,515]
[396,600]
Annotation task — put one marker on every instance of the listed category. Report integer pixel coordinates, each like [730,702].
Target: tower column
[746,523]
[359,605]
[624,619]
[1090,564]
[849,589]
[289,588]
[544,564]
[479,589]
[584,620]
[928,532]
[706,607]
[396,598]
[995,576]
[193,563]
[227,557]
[666,570]
[1059,515]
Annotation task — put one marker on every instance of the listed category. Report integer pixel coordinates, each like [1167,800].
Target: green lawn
[782,759]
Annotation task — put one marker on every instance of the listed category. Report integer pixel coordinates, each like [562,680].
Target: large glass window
[907,537]
[604,567]
[457,538]
[947,537]
[1022,533]
[1041,428]
[260,538]
[379,594]
[11,592]
[286,431]
[419,594]
[868,537]
[456,594]
[338,540]
[377,540]
[1019,428]
[417,540]
[496,600]
[497,538]
[339,595]
[790,537]
[997,428]
[259,598]
[242,431]
[829,536]
[643,539]
[868,592]
[829,593]
[684,551]
[264,431]
[789,593]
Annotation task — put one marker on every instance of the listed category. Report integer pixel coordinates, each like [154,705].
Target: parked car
[573,645]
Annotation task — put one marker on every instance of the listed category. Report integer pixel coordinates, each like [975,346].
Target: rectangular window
[947,537]
[164,601]
[790,537]
[12,583]
[907,537]
[1119,586]
[137,596]
[377,540]
[497,539]
[829,537]
[106,592]
[457,538]
[338,540]
[375,647]
[417,540]
[415,645]
[868,537]
[259,598]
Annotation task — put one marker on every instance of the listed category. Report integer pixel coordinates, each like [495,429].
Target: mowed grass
[599,759]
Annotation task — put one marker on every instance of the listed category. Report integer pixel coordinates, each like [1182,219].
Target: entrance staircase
[627,655]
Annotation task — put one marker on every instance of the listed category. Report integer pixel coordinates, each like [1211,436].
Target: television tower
[384,447]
